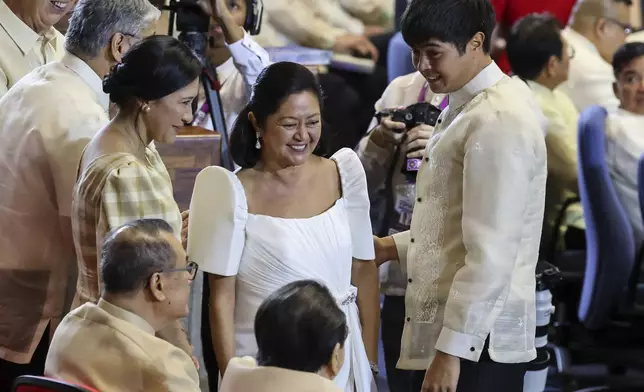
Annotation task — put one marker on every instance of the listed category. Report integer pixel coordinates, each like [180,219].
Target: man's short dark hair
[450,21]
[624,55]
[133,252]
[532,41]
[298,326]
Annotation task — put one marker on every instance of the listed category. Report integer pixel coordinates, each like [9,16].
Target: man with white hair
[46,119]
[28,38]
[597,29]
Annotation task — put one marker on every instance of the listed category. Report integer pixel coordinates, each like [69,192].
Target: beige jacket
[243,374]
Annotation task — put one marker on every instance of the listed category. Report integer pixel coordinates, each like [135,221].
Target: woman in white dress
[288,214]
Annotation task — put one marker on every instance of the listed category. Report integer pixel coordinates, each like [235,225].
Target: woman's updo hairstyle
[274,85]
[298,327]
[153,68]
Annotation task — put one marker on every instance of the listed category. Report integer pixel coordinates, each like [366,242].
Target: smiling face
[444,67]
[289,136]
[169,114]
[46,13]
[629,87]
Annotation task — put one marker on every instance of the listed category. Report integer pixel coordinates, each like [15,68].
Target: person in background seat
[111,345]
[625,131]
[596,30]
[540,56]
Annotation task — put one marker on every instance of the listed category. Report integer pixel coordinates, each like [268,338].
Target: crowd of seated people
[98,258]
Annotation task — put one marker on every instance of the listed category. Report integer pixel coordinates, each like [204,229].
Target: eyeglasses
[625,26]
[191,267]
[571,52]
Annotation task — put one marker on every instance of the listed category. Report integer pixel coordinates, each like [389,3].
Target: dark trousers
[209,358]
[483,376]
[392,323]
[9,371]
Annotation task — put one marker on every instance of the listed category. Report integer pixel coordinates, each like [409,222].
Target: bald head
[134,252]
[586,11]
[605,23]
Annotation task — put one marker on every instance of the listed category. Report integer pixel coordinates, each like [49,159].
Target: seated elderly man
[597,29]
[28,38]
[111,346]
[540,56]
[46,119]
[624,130]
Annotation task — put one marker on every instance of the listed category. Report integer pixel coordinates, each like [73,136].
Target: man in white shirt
[392,199]
[624,131]
[597,29]
[46,120]
[238,58]
[472,250]
[28,38]
[540,56]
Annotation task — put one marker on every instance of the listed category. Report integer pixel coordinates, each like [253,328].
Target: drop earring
[258,145]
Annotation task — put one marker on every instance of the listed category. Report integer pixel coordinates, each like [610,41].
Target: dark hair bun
[153,68]
[116,86]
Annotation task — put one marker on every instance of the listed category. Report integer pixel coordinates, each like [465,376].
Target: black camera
[416,114]
[191,18]
[412,116]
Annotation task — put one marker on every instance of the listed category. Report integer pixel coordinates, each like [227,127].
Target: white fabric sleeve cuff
[245,47]
[402,244]
[460,345]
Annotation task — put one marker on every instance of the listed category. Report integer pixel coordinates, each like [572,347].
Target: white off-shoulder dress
[265,253]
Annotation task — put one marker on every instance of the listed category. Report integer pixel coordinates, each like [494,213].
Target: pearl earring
[258,145]
[146,108]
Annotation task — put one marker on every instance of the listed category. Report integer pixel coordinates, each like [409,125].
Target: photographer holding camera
[383,152]
[238,59]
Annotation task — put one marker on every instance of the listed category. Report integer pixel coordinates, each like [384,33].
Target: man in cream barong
[472,250]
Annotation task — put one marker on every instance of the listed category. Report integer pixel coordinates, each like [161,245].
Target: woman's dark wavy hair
[274,85]
[153,68]
[298,326]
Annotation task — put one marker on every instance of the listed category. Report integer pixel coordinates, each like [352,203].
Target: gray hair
[134,252]
[94,23]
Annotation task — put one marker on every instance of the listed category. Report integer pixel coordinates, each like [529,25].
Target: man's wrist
[232,31]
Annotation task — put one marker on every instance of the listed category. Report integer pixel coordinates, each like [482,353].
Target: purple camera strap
[423,94]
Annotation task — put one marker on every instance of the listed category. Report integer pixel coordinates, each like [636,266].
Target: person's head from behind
[155,86]
[605,23]
[100,32]
[282,124]
[40,15]
[628,65]
[450,40]
[300,327]
[537,51]
[144,266]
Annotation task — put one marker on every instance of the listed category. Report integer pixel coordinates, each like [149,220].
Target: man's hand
[220,13]
[388,133]
[185,216]
[443,374]
[218,9]
[416,140]
[385,249]
[371,31]
[355,43]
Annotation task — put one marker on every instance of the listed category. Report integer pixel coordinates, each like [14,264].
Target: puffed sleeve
[217,224]
[356,198]
[133,191]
